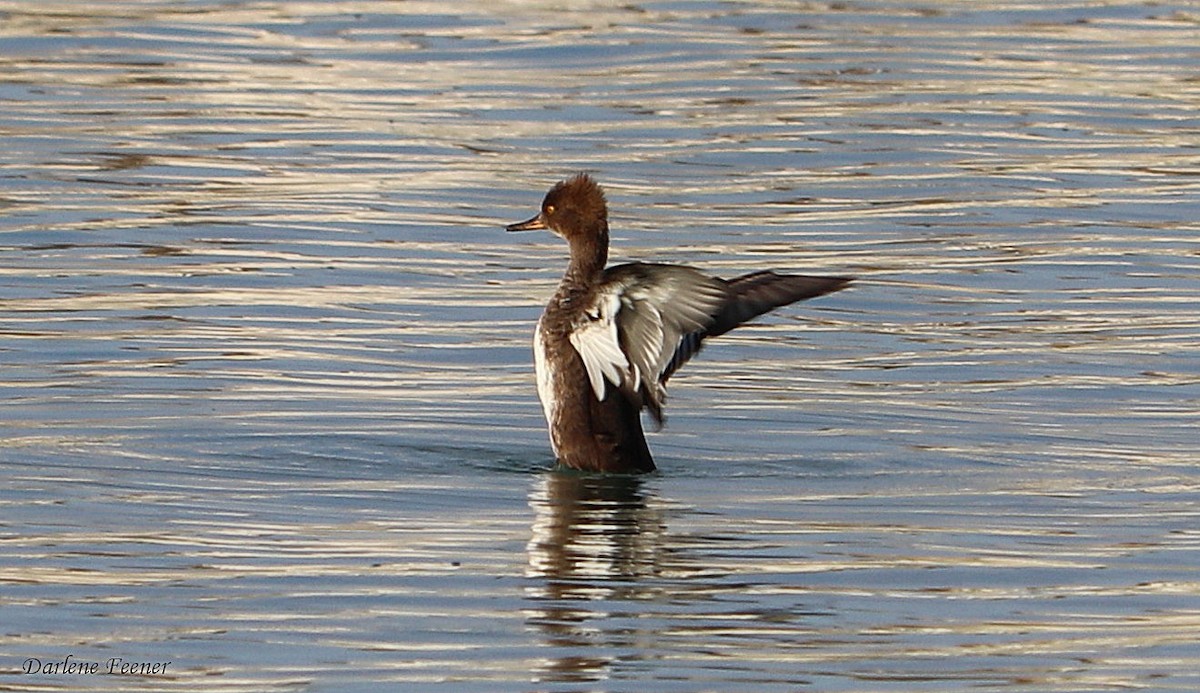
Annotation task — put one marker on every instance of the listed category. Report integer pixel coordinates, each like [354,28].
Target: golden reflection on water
[616,579]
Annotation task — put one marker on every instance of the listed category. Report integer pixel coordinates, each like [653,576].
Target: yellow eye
[549,209]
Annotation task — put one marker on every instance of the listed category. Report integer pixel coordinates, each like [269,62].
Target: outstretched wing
[748,297]
[644,321]
[635,323]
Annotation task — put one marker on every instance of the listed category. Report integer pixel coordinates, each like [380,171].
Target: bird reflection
[594,537]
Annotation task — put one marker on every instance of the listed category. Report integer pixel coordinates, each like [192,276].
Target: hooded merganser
[610,338]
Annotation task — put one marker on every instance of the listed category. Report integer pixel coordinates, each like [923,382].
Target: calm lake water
[266,395]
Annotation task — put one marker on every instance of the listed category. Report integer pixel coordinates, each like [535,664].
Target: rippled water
[265,381]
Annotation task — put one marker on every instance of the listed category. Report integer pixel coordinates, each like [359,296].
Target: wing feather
[633,327]
[646,320]
[660,305]
[595,338]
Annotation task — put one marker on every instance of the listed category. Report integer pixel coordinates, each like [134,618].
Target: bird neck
[589,253]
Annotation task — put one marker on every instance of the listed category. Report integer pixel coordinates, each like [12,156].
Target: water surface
[266,390]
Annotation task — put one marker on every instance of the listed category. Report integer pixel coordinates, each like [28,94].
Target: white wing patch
[595,338]
[629,334]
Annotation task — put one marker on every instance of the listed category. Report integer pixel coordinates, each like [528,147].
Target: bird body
[610,338]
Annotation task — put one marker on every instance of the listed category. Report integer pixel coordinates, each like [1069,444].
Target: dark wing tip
[751,295]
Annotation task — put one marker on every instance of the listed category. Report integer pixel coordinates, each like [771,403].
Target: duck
[611,337]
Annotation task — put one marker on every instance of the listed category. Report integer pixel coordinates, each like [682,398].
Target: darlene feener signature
[113,666]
